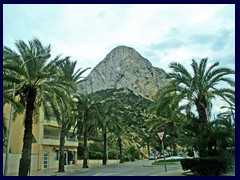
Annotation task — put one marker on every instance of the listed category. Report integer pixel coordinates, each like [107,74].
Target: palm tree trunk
[25,161]
[120,150]
[61,149]
[201,109]
[201,106]
[104,162]
[174,147]
[85,149]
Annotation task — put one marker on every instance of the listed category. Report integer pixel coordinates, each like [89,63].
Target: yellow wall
[37,148]
[18,132]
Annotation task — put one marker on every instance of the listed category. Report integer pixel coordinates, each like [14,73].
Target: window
[56,155]
[45,160]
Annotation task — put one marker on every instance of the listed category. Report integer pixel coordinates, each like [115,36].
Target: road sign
[154,151]
[161,135]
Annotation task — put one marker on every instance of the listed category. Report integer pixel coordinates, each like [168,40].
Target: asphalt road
[137,168]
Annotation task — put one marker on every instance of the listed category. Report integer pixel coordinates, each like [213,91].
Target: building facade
[45,144]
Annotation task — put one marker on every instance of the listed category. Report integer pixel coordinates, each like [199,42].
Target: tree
[121,110]
[65,111]
[106,121]
[168,110]
[200,88]
[87,121]
[38,84]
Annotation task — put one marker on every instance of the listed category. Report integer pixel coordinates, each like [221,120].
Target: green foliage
[198,89]
[207,166]
[95,151]
[190,153]
[131,151]
[39,83]
[112,154]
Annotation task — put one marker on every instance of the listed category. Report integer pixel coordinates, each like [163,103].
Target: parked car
[151,157]
[162,155]
[180,154]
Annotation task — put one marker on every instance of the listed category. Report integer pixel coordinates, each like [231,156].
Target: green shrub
[126,159]
[207,166]
[190,153]
[112,154]
[95,155]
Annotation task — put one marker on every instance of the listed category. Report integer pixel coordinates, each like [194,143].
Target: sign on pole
[161,135]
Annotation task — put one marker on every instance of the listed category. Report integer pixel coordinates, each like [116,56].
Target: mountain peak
[124,67]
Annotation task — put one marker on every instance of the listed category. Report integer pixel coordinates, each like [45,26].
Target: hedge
[207,166]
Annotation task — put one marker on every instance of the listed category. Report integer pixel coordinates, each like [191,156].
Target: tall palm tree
[38,85]
[87,121]
[66,120]
[200,88]
[107,110]
[120,131]
[66,104]
[167,108]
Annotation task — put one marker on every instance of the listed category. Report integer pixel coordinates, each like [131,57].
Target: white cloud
[161,33]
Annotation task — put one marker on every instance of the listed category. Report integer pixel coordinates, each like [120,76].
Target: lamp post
[43,55]
[9,135]
[148,144]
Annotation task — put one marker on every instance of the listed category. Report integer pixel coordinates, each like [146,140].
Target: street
[137,168]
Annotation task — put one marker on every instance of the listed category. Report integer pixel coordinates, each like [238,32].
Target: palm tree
[200,88]
[120,131]
[168,110]
[222,134]
[106,121]
[230,113]
[109,116]
[38,85]
[87,121]
[66,104]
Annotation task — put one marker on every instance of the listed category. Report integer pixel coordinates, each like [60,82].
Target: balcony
[52,122]
[54,140]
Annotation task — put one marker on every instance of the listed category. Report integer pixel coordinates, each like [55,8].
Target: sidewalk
[68,169]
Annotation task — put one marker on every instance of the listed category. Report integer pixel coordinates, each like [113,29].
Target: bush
[95,155]
[126,159]
[190,153]
[208,166]
[112,154]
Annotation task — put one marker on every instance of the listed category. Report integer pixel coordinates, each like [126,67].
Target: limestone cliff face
[124,67]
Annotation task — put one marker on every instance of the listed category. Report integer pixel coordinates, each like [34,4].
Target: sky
[162,33]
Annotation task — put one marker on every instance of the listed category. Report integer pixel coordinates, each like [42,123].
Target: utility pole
[9,135]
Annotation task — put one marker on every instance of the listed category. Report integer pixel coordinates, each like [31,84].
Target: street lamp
[148,144]
[43,55]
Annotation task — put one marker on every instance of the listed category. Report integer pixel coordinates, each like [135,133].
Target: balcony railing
[58,137]
[71,139]
[50,137]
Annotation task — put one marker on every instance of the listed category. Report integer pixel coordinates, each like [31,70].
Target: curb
[170,173]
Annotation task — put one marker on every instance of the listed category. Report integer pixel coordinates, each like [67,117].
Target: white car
[151,157]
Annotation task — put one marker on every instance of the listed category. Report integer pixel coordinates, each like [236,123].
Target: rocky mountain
[124,67]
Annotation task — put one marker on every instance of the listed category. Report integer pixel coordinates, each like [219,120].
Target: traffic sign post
[154,152]
[161,136]
[164,157]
